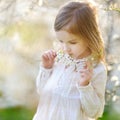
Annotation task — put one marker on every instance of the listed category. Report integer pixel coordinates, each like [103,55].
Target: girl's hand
[48,59]
[86,74]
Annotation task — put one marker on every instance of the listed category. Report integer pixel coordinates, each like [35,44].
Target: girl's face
[72,44]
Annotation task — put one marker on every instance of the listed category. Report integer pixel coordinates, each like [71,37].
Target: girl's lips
[71,55]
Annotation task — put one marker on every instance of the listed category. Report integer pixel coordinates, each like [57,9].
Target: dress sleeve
[92,96]
[42,77]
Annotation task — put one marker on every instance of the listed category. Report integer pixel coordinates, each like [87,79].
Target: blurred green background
[26,30]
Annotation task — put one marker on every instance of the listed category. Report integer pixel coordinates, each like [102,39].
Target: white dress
[62,98]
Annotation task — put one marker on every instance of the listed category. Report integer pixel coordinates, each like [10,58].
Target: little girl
[71,82]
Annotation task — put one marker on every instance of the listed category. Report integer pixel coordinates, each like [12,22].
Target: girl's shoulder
[100,67]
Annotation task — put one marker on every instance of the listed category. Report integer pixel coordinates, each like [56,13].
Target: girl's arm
[43,75]
[92,95]
[46,67]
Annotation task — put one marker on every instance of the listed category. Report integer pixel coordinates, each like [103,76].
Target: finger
[52,54]
[85,66]
[87,72]
[47,55]
[44,56]
[85,76]
[50,57]
[82,76]
[89,65]
[55,54]
[84,70]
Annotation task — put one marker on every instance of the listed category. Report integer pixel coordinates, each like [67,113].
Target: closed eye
[70,42]
[73,42]
[60,41]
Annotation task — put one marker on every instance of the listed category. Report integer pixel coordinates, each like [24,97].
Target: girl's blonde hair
[79,18]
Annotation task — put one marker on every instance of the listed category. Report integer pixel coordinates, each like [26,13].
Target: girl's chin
[72,56]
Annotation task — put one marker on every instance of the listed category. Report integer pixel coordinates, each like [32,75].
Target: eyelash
[61,41]
[69,42]
[72,42]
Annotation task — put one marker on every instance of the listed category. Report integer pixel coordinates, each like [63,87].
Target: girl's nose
[66,48]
